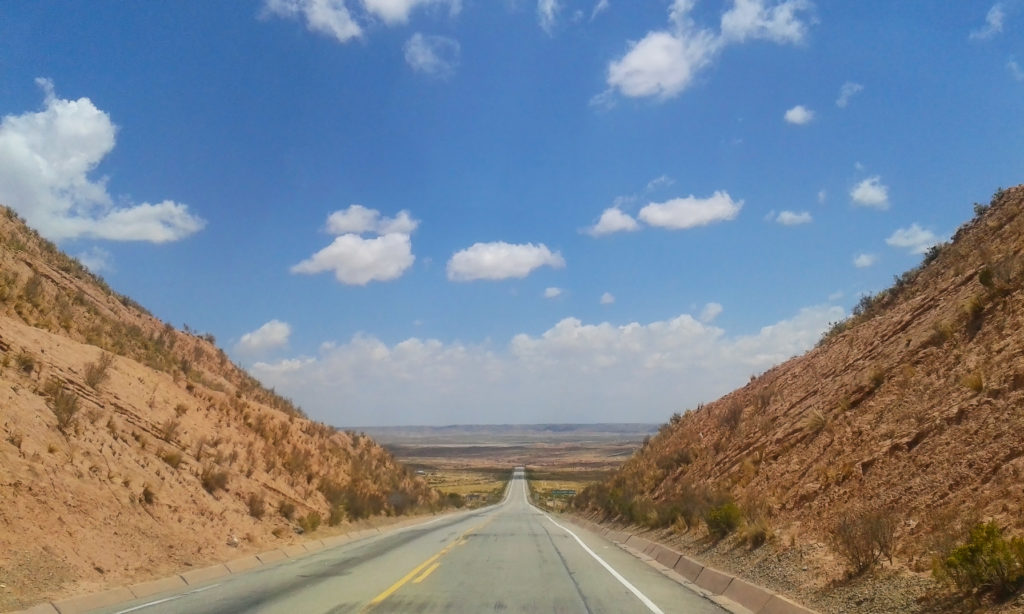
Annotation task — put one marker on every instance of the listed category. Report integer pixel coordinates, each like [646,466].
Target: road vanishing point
[510,557]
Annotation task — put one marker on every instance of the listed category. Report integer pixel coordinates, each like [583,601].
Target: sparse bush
[64,405]
[15,439]
[862,538]
[96,372]
[180,409]
[147,496]
[756,533]
[815,421]
[286,509]
[988,562]
[214,479]
[310,522]
[731,415]
[257,505]
[337,516]
[26,362]
[171,457]
[723,519]
[974,381]
[876,378]
[169,429]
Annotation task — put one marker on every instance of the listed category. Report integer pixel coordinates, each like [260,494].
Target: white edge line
[643,598]
[166,599]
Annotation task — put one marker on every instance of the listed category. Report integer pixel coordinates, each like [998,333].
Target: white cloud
[607,298]
[500,260]
[271,336]
[913,238]
[665,62]
[437,56]
[871,193]
[754,19]
[689,212]
[822,195]
[993,23]
[397,11]
[358,260]
[612,220]
[547,14]
[46,158]
[846,92]
[329,17]
[862,261]
[572,372]
[96,259]
[710,312]
[600,7]
[552,292]
[792,218]
[657,183]
[799,115]
[359,219]
[662,64]
[1015,70]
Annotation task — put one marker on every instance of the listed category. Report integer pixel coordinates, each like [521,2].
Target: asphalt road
[507,558]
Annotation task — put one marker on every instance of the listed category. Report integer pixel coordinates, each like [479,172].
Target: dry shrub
[731,415]
[171,457]
[257,505]
[310,522]
[974,381]
[97,372]
[63,404]
[214,479]
[286,509]
[169,429]
[862,538]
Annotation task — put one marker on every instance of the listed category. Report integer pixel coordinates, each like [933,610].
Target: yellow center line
[423,576]
[419,568]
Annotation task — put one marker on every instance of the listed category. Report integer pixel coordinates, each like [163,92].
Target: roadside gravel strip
[728,591]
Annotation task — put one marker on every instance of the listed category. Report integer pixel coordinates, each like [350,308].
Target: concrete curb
[84,603]
[152,587]
[722,588]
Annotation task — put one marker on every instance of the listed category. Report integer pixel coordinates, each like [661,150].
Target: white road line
[166,599]
[643,598]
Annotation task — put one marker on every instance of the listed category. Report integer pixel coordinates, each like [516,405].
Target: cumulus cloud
[993,23]
[913,238]
[552,292]
[871,192]
[710,312]
[437,56]
[665,62]
[96,259]
[358,260]
[607,298]
[862,261]
[271,336]
[613,220]
[690,212]
[799,115]
[46,159]
[501,260]
[572,372]
[329,17]
[334,18]
[547,14]
[397,11]
[792,218]
[846,92]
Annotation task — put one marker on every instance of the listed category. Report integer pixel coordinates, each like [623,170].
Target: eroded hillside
[913,407]
[130,449]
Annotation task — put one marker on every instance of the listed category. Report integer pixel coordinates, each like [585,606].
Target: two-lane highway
[507,558]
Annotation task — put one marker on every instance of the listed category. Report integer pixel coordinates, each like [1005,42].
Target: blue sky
[440,211]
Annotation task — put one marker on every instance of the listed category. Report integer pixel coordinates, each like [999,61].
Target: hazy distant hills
[487,434]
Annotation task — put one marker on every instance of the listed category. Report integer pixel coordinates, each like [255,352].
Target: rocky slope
[912,408]
[129,449]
